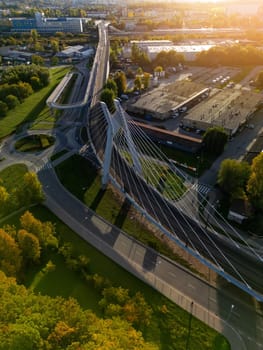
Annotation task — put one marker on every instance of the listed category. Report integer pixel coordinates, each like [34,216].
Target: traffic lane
[189,230]
[200,293]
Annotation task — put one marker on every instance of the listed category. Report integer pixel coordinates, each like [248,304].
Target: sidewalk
[130,254]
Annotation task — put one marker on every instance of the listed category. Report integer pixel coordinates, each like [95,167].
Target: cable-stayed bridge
[163,194]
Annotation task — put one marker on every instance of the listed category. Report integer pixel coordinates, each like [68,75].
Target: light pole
[189,326]
[230,312]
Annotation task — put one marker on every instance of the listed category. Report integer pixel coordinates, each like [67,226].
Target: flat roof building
[229,108]
[47,25]
[160,102]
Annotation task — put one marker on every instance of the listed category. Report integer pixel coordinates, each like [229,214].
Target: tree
[29,244]
[214,140]
[35,83]
[111,84]
[4,199]
[138,83]
[3,109]
[255,182]
[34,35]
[32,189]
[38,322]
[233,176]
[44,231]
[108,96]
[146,80]
[10,255]
[120,80]
[54,61]
[38,60]
[11,101]
[54,46]
[24,90]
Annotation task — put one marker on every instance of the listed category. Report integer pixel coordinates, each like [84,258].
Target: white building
[189,51]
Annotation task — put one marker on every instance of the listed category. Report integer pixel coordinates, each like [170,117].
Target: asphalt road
[215,302]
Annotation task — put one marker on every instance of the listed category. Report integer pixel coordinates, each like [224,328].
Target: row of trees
[234,55]
[240,180]
[19,82]
[38,322]
[23,247]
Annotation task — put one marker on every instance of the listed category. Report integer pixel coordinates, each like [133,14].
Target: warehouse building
[227,108]
[162,102]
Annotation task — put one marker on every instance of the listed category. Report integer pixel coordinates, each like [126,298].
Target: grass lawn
[12,176]
[81,179]
[169,324]
[32,106]
[34,143]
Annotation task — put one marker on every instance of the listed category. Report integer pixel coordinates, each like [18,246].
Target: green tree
[32,188]
[21,336]
[255,182]
[3,109]
[34,35]
[108,96]
[10,255]
[54,61]
[214,140]
[44,231]
[4,199]
[233,176]
[54,46]
[11,101]
[120,80]
[146,80]
[29,321]
[111,84]
[137,83]
[29,245]
[35,83]
[38,60]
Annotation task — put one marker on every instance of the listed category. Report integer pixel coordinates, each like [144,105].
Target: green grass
[12,175]
[169,324]
[34,143]
[32,106]
[82,180]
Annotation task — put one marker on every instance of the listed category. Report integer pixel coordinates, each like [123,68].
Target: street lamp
[230,312]
[189,326]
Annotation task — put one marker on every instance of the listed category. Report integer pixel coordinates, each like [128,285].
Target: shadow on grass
[97,199]
[122,215]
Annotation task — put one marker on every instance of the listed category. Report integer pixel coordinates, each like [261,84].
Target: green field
[169,325]
[34,143]
[29,110]
[82,180]
[12,176]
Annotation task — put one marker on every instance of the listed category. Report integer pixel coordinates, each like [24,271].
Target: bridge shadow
[97,199]
[150,259]
[122,215]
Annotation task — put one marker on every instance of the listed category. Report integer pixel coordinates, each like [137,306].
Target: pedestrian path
[201,188]
[46,164]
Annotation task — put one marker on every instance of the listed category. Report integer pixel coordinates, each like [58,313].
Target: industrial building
[163,101]
[228,108]
[46,25]
[171,139]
